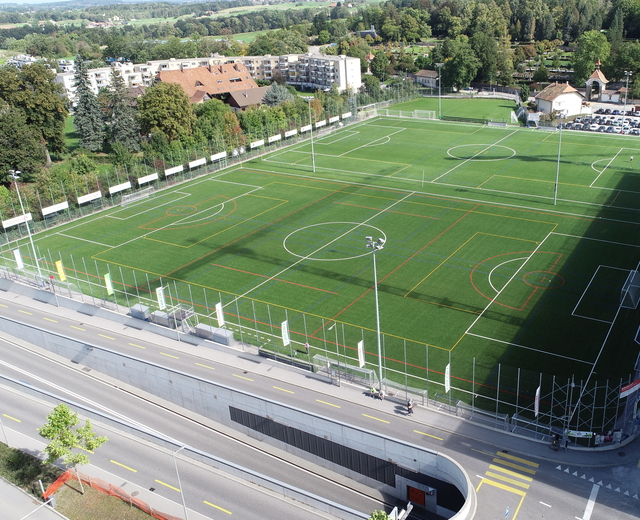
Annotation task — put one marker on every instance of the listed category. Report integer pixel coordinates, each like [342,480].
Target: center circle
[543,279]
[490,152]
[333,243]
[181,211]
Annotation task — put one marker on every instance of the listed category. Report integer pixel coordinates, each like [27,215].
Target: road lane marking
[514,466]
[5,306]
[25,312]
[74,327]
[432,436]
[217,507]
[12,418]
[518,459]
[372,417]
[545,504]
[328,404]
[507,479]
[288,391]
[242,377]
[509,472]
[108,337]
[49,319]
[134,345]
[205,366]
[125,467]
[168,485]
[591,503]
[169,355]
[83,449]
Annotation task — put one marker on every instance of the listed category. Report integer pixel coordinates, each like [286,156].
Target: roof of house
[555,90]
[246,98]
[597,74]
[426,74]
[213,80]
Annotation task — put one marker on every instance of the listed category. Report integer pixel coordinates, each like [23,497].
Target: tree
[460,63]
[486,49]
[20,145]
[379,515]
[592,46]
[166,107]
[370,84]
[524,93]
[123,125]
[379,65]
[65,435]
[88,116]
[33,90]
[276,95]
[541,75]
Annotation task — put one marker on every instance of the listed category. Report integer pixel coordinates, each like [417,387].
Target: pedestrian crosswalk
[510,473]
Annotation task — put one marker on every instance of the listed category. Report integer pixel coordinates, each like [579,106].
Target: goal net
[425,114]
[132,197]
[630,295]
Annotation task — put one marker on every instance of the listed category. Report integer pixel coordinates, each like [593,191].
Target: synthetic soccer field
[479,263]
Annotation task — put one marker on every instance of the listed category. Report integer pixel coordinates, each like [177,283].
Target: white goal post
[132,197]
[630,295]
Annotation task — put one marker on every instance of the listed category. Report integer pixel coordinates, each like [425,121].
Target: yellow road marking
[49,319]
[509,472]
[507,479]
[108,337]
[88,451]
[168,485]
[372,417]
[217,507]
[205,366]
[242,377]
[432,436]
[501,486]
[483,452]
[518,459]
[125,467]
[278,388]
[134,345]
[74,327]
[329,404]
[169,355]
[2,305]
[25,312]
[515,466]
[12,418]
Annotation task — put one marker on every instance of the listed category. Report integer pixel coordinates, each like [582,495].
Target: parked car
[593,127]
[607,111]
[578,119]
[615,112]
[635,131]
[617,129]
[602,128]
[609,129]
[577,126]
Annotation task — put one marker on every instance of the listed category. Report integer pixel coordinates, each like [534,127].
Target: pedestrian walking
[372,391]
[631,159]
[381,394]
[410,407]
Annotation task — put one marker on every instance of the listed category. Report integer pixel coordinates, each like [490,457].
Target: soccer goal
[424,114]
[132,197]
[630,295]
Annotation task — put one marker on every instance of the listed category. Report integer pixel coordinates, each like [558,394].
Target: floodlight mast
[376,246]
[627,73]
[562,114]
[439,65]
[15,175]
[313,155]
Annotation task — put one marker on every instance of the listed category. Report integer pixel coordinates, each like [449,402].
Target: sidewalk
[18,504]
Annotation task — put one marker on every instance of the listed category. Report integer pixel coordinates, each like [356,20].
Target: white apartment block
[303,70]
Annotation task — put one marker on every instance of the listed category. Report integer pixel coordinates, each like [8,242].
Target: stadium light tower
[555,189]
[376,245]
[313,155]
[439,65]
[627,73]
[15,175]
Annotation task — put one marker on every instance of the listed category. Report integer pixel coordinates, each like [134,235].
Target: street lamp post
[555,189]
[313,155]
[15,175]
[439,65]
[175,463]
[627,73]
[376,245]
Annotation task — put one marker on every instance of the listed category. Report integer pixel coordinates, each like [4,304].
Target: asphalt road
[514,477]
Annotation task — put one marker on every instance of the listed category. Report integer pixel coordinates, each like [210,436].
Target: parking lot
[607,120]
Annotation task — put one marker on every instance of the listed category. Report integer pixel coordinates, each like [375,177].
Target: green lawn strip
[494,109]
[24,470]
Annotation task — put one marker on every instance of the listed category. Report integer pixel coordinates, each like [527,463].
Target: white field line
[472,157]
[605,168]
[508,282]
[146,210]
[589,318]
[370,143]
[601,240]
[84,240]
[528,348]
[589,285]
[346,136]
[304,258]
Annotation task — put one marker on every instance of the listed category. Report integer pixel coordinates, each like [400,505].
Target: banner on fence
[55,208]
[174,170]
[536,403]
[108,284]
[630,388]
[220,315]
[581,435]
[147,178]
[162,305]
[197,162]
[360,353]
[217,156]
[346,114]
[305,128]
[447,378]
[18,257]
[119,187]
[91,196]
[321,123]
[274,138]
[334,119]
[257,143]
[290,133]
[16,220]
[285,333]
[60,269]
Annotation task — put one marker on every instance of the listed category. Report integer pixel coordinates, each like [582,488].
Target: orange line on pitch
[385,211]
[276,279]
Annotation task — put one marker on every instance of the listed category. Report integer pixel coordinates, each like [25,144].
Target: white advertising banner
[447,378]
[119,187]
[346,114]
[173,171]
[334,119]
[321,123]
[304,129]
[147,178]
[630,388]
[18,257]
[91,196]
[256,144]
[360,353]
[290,133]
[220,314]
[16,220]
[536,403]
[55,208]
[274,138]
[217,156]
[197,162]
[285,333]
[162,304]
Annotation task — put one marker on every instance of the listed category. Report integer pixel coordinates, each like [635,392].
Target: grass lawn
[94,505]
[71,138]
[494,109]
[247,37]
[24,470]
[480,269]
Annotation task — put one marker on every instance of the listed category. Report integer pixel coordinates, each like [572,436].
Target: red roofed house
[560,97]
[596,84]
[213,81]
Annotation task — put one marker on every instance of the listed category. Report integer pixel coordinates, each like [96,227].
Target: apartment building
[303,70]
